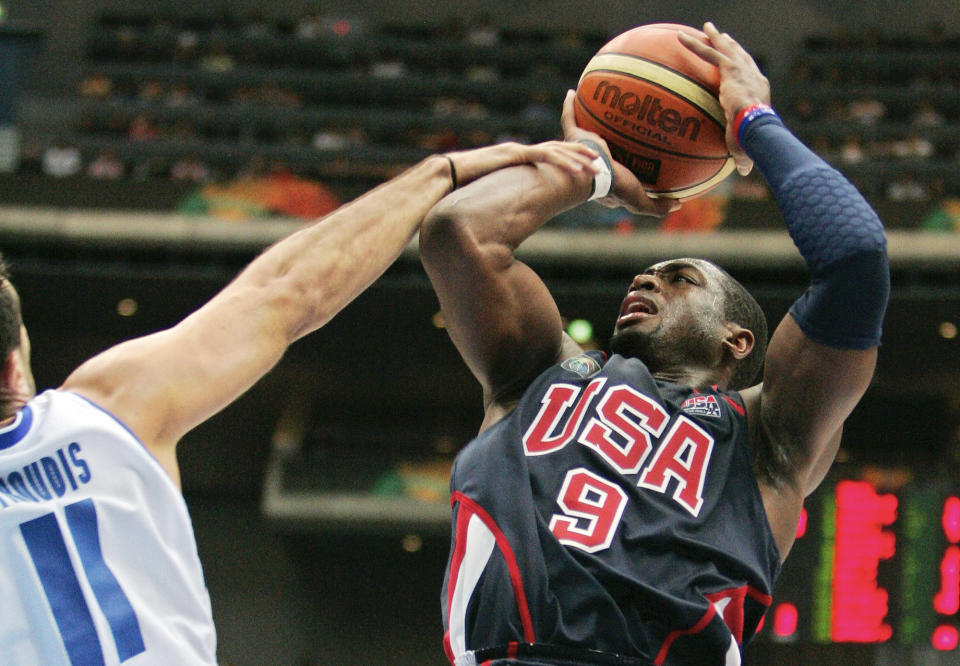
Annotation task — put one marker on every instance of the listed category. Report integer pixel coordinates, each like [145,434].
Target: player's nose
[645,281]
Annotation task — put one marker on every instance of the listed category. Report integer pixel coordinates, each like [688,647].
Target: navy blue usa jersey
[609,516]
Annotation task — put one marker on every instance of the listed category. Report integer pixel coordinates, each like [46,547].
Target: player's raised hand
[627,191]
[741,82]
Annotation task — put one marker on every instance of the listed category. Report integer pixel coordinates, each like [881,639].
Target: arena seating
[350,104]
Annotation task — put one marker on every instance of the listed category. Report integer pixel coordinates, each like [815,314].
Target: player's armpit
[786,466]
[808,391]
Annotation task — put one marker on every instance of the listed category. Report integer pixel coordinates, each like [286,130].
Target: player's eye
[680,277]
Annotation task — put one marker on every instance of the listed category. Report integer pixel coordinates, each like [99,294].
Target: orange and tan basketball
[655,103]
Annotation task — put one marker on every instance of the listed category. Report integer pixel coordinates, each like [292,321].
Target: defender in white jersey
[78,491]
[98,563]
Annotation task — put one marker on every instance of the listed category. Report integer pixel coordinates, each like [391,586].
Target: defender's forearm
[318,270]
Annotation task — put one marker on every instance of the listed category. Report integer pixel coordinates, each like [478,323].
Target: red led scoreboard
[872,567]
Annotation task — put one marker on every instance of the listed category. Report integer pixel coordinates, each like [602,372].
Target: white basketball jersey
[98,562]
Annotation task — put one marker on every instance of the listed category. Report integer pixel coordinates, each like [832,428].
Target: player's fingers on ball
[710,30]
[611,202]
[730,46]
[617,202]
[716,35]
[664,207]
[693,44]
[642,203]
[721,40]
[741,160]
[653,210]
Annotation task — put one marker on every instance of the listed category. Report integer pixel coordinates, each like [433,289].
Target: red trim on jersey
[515,578]
[512,650]
[674,635]
[455,561]
[732,613]
[757,595]
[738,408]
[447,648]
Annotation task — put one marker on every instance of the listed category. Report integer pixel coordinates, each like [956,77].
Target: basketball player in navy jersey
[98,563]
[635,508]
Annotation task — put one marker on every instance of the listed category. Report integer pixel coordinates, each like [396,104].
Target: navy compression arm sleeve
[837,232]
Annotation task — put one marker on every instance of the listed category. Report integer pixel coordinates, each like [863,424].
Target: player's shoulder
[57,401]
[769,453]
[570,348]
[572,358]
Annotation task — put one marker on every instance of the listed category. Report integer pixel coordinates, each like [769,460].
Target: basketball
[655,103]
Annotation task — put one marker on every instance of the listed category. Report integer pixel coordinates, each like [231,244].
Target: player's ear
[738,341]
[13,374]
[8,371]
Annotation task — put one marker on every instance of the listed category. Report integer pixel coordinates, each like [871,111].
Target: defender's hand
[472,164]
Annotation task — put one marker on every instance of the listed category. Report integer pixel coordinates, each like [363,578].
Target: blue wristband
[747,115]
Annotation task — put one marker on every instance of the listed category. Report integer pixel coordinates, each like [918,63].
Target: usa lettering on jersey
[634,435]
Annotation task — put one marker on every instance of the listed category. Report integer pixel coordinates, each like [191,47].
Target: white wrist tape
[603,179]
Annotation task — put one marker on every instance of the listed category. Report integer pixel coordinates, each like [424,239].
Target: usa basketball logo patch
[702,405]
[581,365]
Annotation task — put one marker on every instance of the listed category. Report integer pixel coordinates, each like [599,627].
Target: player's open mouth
[636,307]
